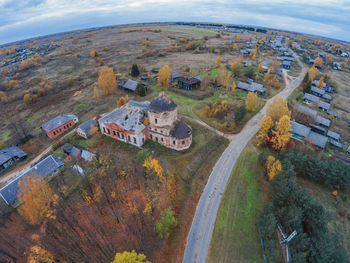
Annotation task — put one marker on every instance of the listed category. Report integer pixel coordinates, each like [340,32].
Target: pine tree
[135,70]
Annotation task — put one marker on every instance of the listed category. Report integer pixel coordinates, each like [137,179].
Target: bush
[142,156]
[250,72]
[135,71]
[240,113]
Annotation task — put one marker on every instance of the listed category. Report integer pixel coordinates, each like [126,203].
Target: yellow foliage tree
[318,62]
[277,108]
[188,45]
[93,53]
[2,145]
[233,88]
[130,257]
[152,164]
[164,76]
[218,61]
[313,71]
[273,167]
[240,58]
[320,82]
[146,121]
[251,102]
[36,198]
[27,98]
[106,80]
[39,255]
[234,46]
[329,59]
[121,102]
[260,68]
[281,135]
[96,93]
[264,129]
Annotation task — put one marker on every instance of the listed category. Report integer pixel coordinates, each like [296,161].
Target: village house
[313,115]
[49,166]
[127,124]
[302,132]
[286,64]
[174,76]
[252,87]
[56,126]
[87,128]
[129,85]
[188,83]
[10,155]
[333,135]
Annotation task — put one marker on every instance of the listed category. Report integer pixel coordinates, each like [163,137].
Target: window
[156,139]
[134,140]
[122,135]
[108,131]
[155,120]
[183,142]
[174,142]
[129,138]
[151,137]
[161,139]
[114,133]
[104,129]
[118,134]
[54,133]
[143,140]
[60,130]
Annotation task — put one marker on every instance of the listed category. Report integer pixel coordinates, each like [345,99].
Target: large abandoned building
[127,124]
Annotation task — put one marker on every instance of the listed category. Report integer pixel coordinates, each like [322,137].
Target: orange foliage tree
[313,71]
[27,98]
[218,61]
[164,76]
[121,102]
[93,53]
[272,167]
[320,82]
[238,38]
[37,199]
[318,62]
[106,80]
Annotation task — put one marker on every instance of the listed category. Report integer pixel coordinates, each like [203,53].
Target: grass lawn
[5,136]
[235,237]
[295,69]
[195,32]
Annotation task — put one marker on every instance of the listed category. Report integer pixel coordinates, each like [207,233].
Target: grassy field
[195,32]
[235,237]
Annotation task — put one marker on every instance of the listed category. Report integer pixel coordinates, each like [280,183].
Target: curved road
[198,239]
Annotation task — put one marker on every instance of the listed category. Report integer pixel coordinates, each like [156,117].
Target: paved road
[17,171]
[198,239]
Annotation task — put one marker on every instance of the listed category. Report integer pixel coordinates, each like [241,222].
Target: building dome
[162,103]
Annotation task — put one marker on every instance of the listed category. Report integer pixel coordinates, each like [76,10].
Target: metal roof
[86,126]
[324,105]
[306,110]
[43,168]
[300,129]
[317,90]
[58,121]
[336,143]
[162,103]
[130,84]
[333,135]
[318,139]
[9,153]
[311,98]
[323,121]
[129,116]
[181,130]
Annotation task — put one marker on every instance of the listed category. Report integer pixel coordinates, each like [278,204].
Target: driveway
[199,237]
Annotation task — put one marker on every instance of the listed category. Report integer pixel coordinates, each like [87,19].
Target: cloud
[29,18]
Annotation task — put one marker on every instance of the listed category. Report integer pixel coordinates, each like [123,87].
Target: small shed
[130,85]
[286,64]
[333,135]
[318,139]
[188,83]
[336,144]
[86,129]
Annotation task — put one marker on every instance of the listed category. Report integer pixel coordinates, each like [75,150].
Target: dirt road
[16,172]
[199,237]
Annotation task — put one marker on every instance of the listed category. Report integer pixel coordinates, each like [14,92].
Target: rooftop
[333,135]
[43,168]
[300,129]
[58,121]
[190,81]
[318,139]
[181,130]
[9,153]
[317,90]
[86,126]
[129,116]
[162,103]
[130,85]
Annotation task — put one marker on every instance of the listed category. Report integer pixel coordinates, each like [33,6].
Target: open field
[235,237]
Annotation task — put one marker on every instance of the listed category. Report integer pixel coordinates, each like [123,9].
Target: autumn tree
[281,135]
[318,62]
[39,255]
[106,80]
[260,68]
[41,92]
[320,83]
[329,59]
[233,88]
[135,70]
[273,166]
[146,121]
[277,108]
[205,82]
[236,68]
[93,53]
[166,223]
[96,93]
[218,61]
[238,38]
[251,102]
[265,127]
[27,98]
[240,58]
[164,76]
[36,198]
[121,102]
[130,257]
[234,47]
[313,71]
[2,145]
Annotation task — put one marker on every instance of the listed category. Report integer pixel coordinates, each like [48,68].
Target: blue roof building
[9,155]
[46,167]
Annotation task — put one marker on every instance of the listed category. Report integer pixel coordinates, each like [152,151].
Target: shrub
[240,113]
[142,156]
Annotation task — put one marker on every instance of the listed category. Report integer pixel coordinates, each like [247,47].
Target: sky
[23,19]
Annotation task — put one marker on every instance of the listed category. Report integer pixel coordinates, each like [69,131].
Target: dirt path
[199,237]
[16,172]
